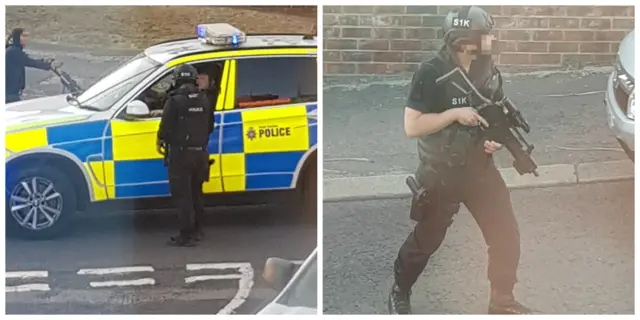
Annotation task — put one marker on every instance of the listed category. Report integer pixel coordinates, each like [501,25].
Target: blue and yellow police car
[66,153]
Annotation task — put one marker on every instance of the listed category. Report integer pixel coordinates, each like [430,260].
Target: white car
[620,97]
[299,294]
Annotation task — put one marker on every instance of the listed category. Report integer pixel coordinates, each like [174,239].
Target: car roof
[167,51]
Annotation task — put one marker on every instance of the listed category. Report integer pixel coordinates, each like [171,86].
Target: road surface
[121,264]
[577,254]
[363,132]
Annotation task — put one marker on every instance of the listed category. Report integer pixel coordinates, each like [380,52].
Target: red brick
[594,47]
[389,9]
[493,10]
[606,59]
[357,32]
[340,68]
[446,9]
[357,9]
[341,44]
[532,47]
[420,33]
[531,11]
[615,47]
[600,11]
[373,68]
[330,20]
[564,47]
[514,58]
[626,24]
[406,45]
[388,33]
[331,32]
[387,56]
[432,21]
[417,56]
[422,9]
[374,45]
[331,9]
[387,21]
[526,23]
[595,24]
[507,46]
[504,22]
[547,35]
[579,36]
[581,59]
[348,20]
[331,55]
[355,56]
[544,58]
[615,36]
[522,35]
[564,23]
[412,21]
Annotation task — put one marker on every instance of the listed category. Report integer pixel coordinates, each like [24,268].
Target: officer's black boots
[399,300]
[505,303]
[199,234]
[182,241]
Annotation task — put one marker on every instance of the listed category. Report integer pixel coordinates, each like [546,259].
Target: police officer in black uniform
[456,165]
[187,122]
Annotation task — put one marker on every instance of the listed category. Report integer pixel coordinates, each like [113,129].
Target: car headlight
[631,106]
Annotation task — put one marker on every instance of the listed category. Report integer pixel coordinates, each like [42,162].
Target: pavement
[363,135]
[577,254]
[120,264]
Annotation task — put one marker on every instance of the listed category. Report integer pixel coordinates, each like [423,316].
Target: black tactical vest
[449,147]
[192,126]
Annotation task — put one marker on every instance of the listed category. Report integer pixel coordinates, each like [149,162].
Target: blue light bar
[220,34]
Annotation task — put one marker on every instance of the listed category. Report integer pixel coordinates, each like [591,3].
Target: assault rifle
[504,119]
[68,84]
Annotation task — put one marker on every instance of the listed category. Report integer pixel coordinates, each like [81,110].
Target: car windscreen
[303,291]
[106,92]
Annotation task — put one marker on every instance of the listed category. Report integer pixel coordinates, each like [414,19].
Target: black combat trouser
[12,97]
[483,191]
[188,169]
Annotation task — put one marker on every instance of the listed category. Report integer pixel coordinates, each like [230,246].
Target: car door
[138,169]
[266,128]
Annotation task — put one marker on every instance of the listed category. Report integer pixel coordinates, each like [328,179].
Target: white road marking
[26,274]
[212,277]
[123,283]
[245,280]
[119,270]
[28,288]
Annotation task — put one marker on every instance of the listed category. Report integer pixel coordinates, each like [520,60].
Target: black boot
[505,303]
[182,241]
[399,300]
[198,235]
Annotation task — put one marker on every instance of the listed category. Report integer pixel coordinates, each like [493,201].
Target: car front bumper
[620,124]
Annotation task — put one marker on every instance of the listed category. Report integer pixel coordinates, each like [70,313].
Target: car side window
[275,81]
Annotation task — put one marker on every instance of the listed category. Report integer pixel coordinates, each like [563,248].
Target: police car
[66,153]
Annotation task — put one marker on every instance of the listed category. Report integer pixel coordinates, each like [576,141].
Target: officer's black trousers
[187,172]
[484,193]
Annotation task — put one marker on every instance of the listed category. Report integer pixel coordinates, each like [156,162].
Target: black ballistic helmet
[185,73]
[466,24]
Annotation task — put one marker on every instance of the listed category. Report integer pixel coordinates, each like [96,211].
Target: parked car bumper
[622,126]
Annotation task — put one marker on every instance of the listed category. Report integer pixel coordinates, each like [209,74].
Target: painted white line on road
[103,271]
[214,266]
[245,283]
[28,288]
[212,277]
[123,283]
[26,274]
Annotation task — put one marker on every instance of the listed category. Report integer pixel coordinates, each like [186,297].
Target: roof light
[220,34]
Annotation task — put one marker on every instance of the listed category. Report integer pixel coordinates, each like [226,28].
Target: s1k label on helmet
[461,23]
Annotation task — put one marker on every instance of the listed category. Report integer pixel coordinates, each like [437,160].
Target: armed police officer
[456,165]
[187,122]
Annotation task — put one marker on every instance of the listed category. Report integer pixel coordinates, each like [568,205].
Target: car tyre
[55,195]
[309,193]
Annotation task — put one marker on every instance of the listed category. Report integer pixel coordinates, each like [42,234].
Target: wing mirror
[137,108]
[278,272]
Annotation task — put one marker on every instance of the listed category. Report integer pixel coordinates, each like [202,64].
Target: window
[276,81]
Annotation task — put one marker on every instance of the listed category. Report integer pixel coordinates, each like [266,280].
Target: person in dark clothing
[185,127]
[456,165]
[16,61]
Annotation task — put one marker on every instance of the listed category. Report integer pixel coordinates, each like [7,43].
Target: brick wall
[392,39]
